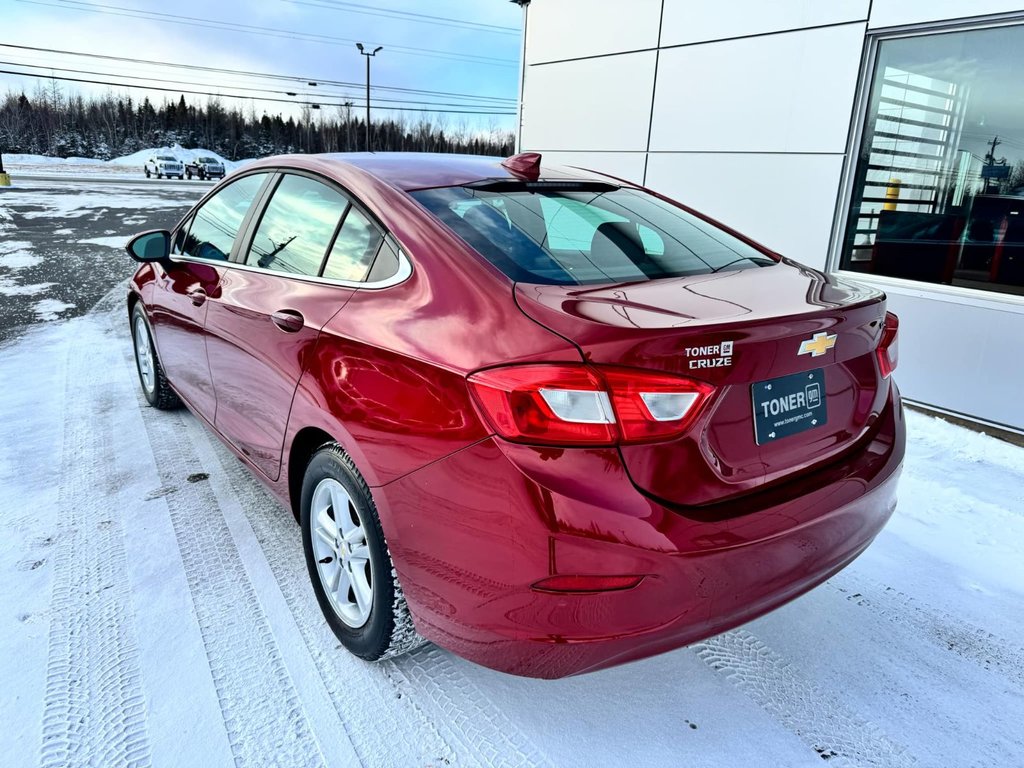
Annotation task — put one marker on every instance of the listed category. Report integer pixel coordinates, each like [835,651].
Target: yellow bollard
[892,195]
[5,179]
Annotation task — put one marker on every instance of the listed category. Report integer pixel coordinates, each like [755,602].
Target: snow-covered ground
[156,611]
[128,165]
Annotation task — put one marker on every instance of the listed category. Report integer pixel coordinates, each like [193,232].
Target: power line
[266,75]
[230,26]
[235,96]
[52,68]
[390,13]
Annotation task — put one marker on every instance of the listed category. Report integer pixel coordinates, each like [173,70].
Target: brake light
[888,347]
[590,405]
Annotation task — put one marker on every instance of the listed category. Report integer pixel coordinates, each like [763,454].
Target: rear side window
[215,225]
[354,249]
[297,227]
[585,233]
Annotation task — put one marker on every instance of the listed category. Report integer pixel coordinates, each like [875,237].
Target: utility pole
[368,55]
[5,178]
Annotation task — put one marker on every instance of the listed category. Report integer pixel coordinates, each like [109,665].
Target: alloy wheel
[144,355]
[343,557]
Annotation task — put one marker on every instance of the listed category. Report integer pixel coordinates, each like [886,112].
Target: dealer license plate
[788,405]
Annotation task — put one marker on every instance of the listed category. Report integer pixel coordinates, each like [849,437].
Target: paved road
[61,240]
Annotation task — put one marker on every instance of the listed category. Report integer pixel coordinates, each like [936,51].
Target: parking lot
[157,609]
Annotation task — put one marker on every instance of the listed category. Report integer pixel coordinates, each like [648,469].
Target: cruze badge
[817,345]
[710,356]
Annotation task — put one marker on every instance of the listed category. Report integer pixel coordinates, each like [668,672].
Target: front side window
[297,227]
[575,234]
[938,191]
[215,225]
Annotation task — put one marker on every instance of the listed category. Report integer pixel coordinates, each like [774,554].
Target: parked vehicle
[164,165]
[546,419]
[205,168]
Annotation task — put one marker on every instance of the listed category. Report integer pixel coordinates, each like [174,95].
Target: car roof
[423,170]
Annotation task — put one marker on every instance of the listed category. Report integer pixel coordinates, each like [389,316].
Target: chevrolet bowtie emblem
[817,345]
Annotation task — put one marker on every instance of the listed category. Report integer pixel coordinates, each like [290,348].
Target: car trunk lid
[766,338]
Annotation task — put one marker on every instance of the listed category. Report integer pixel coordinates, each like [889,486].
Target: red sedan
[545,418]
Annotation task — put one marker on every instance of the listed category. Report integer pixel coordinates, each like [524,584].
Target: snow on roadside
[6,221]
[88,202]
[17,254]
[9,287]
[114,241]
[49,310]
[128,165]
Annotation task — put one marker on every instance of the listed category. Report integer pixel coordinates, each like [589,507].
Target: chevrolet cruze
[542,417]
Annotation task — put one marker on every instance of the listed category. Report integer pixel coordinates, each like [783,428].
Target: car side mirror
[150,246]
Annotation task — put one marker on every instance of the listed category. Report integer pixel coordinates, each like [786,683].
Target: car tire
[159,175]
[155,388]
[146,171]
[188,175]
[355,558]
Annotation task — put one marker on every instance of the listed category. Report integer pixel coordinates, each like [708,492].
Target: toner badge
[711,356]
[817,345]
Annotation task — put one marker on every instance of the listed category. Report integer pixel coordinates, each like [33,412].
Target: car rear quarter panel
[388,376]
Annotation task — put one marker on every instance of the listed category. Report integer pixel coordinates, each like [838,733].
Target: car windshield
[575,234]
[207,160]
[166,157]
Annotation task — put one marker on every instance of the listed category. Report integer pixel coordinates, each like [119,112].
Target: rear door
[184,290]
[308,252]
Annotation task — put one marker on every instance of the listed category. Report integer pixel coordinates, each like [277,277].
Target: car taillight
[590,405]
[889,348]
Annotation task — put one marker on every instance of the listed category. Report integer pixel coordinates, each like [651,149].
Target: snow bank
[185,155]
[14,159]
[132,162]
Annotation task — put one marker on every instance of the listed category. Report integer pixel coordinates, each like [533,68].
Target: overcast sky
[286,37]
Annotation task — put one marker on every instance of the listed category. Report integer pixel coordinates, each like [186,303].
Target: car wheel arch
[133,299]
[305,444]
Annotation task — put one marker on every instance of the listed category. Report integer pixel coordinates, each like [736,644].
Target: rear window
[585,234]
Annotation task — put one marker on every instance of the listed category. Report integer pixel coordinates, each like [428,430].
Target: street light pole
[368,55]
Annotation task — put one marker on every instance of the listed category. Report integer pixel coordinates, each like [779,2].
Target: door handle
[288,320]
[198,296]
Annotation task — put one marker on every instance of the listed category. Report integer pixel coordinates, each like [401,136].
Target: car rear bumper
[470,534]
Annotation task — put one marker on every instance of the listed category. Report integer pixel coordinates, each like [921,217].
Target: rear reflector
[577,583]
[888,348]
[576,404]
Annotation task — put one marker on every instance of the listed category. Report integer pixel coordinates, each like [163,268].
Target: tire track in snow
[94,711]
[383,724]
[264,718]
[818,718]
[445,717]
[944,630]
[480,727]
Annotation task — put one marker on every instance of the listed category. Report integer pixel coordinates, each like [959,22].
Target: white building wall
[698,22]
[743,109]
